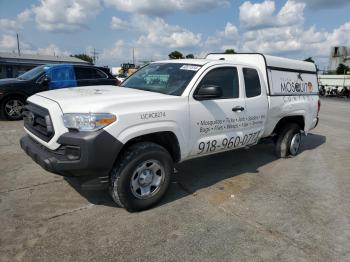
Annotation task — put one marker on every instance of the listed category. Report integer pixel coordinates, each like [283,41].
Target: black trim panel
[300,94]
[80,154]
[291,70]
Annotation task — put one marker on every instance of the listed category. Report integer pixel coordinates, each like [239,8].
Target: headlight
[87,122]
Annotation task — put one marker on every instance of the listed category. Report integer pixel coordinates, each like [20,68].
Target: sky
[154,28]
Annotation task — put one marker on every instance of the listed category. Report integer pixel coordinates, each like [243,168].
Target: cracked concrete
[244,205]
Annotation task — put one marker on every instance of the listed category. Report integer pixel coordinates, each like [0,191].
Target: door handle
[238,109]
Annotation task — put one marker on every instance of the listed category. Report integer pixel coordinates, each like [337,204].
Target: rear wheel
[12,108]
[288,141]
[141,176]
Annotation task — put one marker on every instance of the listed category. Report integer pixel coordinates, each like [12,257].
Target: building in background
[12,64]
[339,55]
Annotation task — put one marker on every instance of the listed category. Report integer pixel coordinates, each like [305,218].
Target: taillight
[318,106]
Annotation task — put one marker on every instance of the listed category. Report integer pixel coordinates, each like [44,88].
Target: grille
[38,121]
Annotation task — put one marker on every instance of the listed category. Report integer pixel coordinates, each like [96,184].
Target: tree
[309,59]
[175,55]
[342,69]
[230,51]
[84,57]
[190,56]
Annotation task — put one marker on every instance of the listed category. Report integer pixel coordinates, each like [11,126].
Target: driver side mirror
[45,80]
[206,92]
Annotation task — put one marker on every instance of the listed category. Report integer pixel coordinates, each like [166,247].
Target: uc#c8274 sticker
[152,115]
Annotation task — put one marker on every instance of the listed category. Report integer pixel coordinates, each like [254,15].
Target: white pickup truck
[168,112]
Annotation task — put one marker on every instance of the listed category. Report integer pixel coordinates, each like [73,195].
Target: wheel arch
[298,119]
[21,95]
[166,139]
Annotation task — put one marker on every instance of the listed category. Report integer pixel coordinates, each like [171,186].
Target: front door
[217,124]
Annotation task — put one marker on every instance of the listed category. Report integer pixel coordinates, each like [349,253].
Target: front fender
[148,128]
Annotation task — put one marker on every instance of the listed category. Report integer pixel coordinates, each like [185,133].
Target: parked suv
[15,91]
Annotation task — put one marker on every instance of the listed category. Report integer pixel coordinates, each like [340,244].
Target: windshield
[165,78]
[31,74]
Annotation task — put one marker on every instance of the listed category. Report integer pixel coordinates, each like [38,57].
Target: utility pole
[133,55]
[18,50]
[94,55]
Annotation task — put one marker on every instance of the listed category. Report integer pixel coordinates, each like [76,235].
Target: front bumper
[318,120]
[80,153]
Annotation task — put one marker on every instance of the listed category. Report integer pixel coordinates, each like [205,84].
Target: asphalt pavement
[245,205]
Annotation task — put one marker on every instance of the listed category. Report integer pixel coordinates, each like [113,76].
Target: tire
[141,176]
[288,141]
[12,108]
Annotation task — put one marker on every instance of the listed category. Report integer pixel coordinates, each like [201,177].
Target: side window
[99,74]
[226,78]
[86,73]
[251,82]
[83,73]
[62,74]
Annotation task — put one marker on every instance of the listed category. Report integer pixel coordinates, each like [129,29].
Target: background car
[121,77]
[15,91]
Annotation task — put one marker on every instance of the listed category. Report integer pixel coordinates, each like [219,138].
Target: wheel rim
[147,179]
[14,108]
[295,144]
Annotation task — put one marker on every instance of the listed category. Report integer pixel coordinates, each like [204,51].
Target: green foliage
[175,55]
[309,59]
[230,51]
[84,57]
[190,56]
[342,69]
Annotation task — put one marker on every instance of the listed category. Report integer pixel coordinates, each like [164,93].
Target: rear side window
[226,78]
[85,73]
[251,82]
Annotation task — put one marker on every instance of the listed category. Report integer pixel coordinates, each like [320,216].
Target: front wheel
[12,108]
[288,141]
[141,176]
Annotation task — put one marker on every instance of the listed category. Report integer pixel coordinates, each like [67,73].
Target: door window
[62,74]
[251,82]
[85,73]
[226,78]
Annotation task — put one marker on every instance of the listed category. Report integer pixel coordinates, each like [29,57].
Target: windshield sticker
[190,67]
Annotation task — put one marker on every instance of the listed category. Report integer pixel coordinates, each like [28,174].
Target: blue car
[14,91]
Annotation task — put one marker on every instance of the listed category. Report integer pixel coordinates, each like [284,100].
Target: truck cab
[167,112]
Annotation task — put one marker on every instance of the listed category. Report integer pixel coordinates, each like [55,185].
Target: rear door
[256,104]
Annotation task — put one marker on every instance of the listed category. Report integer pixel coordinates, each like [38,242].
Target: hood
[97,98]
[9,81]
